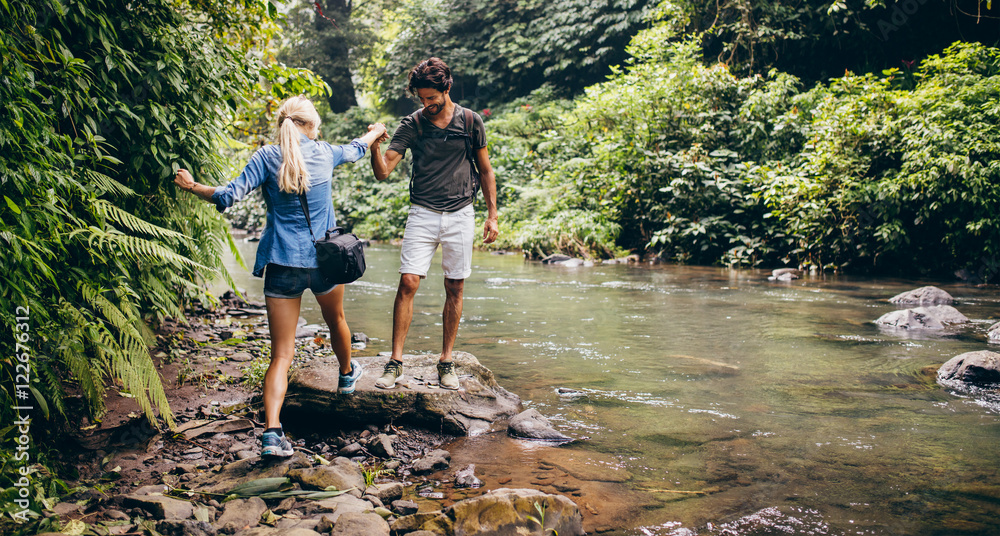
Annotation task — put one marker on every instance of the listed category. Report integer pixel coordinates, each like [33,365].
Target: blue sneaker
[276,445]
[347,382]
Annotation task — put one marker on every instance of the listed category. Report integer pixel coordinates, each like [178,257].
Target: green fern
[107,185]
[108,210]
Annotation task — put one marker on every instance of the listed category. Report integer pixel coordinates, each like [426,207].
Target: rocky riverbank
[371,473]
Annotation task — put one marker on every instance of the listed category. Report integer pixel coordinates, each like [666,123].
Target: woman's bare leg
[332,305]
[282,319]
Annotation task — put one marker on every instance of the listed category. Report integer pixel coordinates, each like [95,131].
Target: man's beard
[433,109]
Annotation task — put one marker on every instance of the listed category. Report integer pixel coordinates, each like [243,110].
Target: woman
[297,164]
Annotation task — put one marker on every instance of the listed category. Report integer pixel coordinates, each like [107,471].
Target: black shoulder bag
[341,255]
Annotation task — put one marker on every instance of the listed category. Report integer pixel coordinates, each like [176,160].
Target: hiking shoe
[347,381]
[446,374]
[276,445]
[393,371]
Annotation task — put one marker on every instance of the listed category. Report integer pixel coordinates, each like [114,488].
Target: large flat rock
[479,405]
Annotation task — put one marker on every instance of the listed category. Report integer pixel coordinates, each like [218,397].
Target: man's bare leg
[402,312]
[452,315]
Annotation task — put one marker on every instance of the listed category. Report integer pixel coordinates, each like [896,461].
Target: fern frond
[72,355]
[54,386]
[104,306]
[161,297]
[107,185]
[142,249]
[129,360]
[127,298]
[229,281]
[131,222]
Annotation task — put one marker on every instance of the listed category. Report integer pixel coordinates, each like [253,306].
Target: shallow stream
[726,404]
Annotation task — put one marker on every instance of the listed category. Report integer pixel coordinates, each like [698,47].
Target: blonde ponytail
[293,177]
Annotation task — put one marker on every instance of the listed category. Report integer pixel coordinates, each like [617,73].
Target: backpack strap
[469,123]
[417,116]
[469,118]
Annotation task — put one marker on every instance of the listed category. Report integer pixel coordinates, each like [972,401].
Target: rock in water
[994,333]
[358,336]
[785,274]
[405,508]
[417,400]
[979,368]
[466,478]
[556,258]
[923,296]
[435,460]
[930,317]
[533,425]
[499,512]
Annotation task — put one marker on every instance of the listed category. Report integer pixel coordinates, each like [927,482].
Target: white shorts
[425,229]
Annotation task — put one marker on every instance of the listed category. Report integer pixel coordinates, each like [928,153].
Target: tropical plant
[372,472]
[103,101]
[541,508]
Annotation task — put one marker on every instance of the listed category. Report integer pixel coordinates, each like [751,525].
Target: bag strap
[469,123]
[305,210]
[417,116]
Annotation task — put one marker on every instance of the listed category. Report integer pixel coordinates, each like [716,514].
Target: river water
[731,404]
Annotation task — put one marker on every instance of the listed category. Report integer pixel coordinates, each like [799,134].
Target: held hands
[381,132]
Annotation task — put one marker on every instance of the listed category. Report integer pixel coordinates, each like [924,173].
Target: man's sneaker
[276,445]
[446,374]
[393,370]
[347,382]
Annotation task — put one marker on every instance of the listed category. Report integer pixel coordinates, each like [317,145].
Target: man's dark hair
[433,73]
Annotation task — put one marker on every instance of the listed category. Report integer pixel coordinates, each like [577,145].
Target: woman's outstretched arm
[186,182]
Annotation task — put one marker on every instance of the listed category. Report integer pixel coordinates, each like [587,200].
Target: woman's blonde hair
[293,177]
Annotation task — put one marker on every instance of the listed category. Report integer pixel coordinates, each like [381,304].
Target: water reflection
[737,406]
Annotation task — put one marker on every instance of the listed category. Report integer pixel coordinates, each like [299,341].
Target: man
[442,189]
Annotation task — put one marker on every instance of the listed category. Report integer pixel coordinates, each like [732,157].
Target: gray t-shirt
[442,174]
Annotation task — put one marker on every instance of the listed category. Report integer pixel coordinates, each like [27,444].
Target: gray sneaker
[393,371]
[446,374]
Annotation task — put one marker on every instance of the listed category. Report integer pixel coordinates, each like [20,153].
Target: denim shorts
[289,282]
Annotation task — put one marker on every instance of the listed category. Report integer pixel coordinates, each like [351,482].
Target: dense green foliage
[698,165]
[103,100]
[819,39]
[500,50]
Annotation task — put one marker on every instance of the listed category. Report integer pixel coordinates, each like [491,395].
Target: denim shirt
[286,239]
